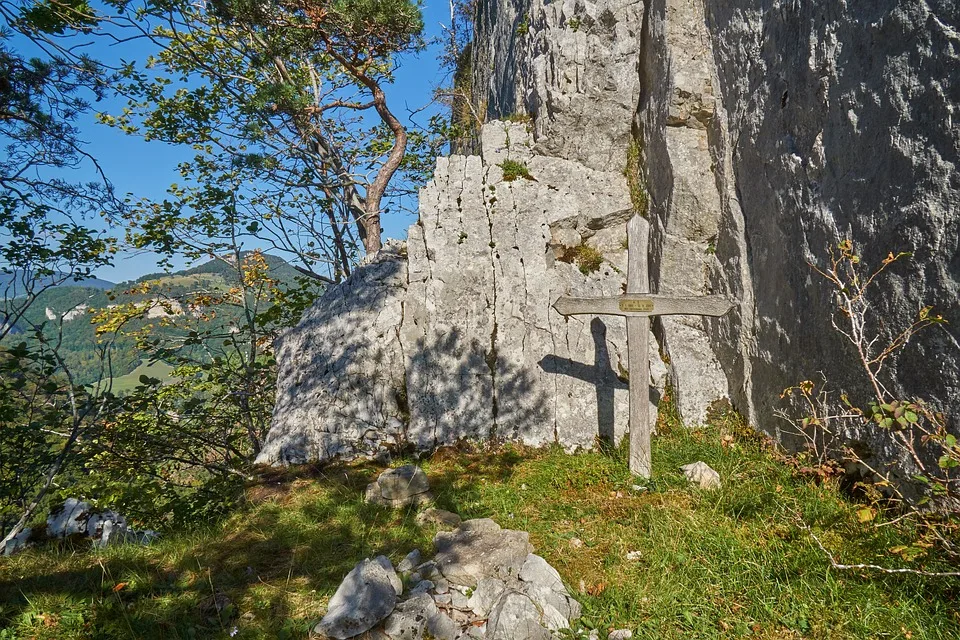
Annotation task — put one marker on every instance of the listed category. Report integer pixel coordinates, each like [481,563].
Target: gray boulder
[70,519]
[365,597]
[403,482]
[481,549]
[400,487]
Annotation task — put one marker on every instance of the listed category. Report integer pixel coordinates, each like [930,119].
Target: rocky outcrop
[452,336]
[575,68]
[769,131]
[569,66]
[484,582]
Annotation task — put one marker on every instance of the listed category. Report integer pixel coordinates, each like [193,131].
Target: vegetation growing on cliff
[587,258]
[636,181]
[514,169]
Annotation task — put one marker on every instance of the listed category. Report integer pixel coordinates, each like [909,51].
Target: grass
[513,169]
[128,382]
[727,564]
[587,258]
[633,171]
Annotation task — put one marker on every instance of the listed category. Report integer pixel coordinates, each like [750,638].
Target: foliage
[523,26]
[186,442]
[44,240]
[45,419]
[72,309]
[724,564]
[587,258]
[285,106]
[513,169]
[636,180]
[916,432]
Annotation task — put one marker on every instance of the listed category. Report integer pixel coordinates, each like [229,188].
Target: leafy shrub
[914,431]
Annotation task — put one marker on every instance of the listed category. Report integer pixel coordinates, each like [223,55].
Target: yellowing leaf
[866,514]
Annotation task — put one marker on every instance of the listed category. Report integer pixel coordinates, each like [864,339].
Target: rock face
[453,336]
[571,66]
[770,131]
[781,130]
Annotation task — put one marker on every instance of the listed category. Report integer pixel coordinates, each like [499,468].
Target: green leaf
[950,440]
[948,462]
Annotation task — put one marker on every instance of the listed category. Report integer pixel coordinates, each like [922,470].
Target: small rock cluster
[77,519]
[483,582]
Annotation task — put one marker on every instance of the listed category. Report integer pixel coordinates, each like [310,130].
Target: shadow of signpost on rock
[601,374]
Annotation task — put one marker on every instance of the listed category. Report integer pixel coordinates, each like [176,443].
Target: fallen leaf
[866,514]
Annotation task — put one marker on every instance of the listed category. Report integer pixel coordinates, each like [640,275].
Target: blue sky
[146,169]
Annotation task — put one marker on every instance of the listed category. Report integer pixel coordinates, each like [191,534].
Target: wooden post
[638,338]
[637,305]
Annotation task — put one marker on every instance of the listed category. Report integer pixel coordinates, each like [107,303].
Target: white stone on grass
[701,474]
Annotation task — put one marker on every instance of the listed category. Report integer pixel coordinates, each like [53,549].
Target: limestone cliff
[768,131]
[452,336]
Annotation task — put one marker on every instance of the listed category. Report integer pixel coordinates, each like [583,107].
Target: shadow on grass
[274,562]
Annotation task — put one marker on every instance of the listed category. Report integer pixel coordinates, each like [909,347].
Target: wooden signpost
[637,306]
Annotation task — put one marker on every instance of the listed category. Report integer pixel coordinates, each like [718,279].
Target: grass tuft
[513,169]
[587,258]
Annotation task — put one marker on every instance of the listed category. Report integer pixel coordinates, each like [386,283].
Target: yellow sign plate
[636,304]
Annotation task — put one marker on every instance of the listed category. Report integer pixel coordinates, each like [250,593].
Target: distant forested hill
[67,311]
[12,284]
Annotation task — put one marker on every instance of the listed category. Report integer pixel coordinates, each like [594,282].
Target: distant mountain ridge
[68,307]
[12,283]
